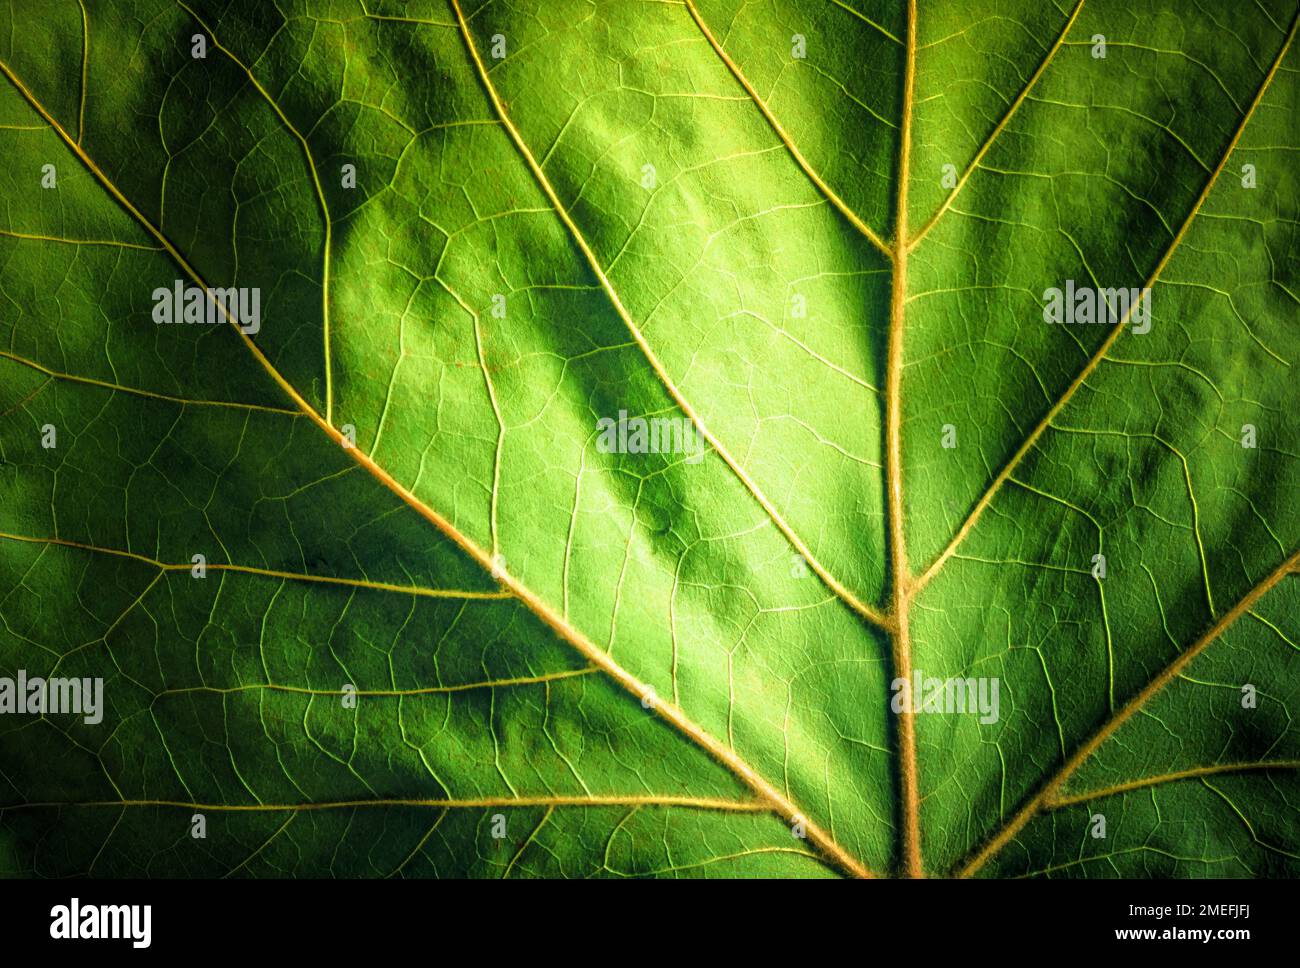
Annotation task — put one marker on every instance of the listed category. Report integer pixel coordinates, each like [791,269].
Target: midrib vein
[1047,795]
[672,714]
[1115,331]
[901,579]
[840,205]
[831,582]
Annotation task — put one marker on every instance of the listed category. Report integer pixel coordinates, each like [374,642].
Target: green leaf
[440,627]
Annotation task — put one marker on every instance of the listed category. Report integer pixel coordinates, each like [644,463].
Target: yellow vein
[407,20]
[987,497]
[320,197]
[27,399]
[988,142]
[51,238]
[866,20]
[1149,781]
[498,450]
[121,617]
[697,803]
[134,391]
[261,847]
[840,205]
[1048,793]
[866,611]
[418,847]
[382,693]
[900,580]
[671,714]
[85,71]
[676,869]
[531,837]
[380,586]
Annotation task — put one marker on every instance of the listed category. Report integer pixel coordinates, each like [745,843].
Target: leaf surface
[443,631]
